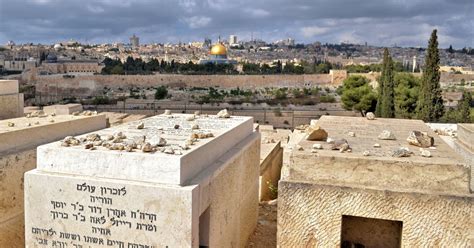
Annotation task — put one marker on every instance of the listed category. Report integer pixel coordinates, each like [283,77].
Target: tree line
[403,95]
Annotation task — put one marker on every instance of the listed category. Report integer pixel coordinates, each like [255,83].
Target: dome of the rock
[218,49]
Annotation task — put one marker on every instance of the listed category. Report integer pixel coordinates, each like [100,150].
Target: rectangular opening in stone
[204,221]
[359,232]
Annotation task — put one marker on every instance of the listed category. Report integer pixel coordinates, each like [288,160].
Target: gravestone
[166,181]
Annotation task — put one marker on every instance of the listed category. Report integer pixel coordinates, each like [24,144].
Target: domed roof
[218,49]
[51,58]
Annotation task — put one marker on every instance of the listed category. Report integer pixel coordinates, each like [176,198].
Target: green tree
[464,107]
[430,103]
[407,88]
[358,95]
[161,92]
[385,102]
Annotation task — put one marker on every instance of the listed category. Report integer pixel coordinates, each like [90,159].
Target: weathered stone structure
[11,101]
[170,180]
[19,138]
[365,196]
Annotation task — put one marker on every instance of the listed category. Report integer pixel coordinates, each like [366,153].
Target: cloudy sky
[378,22]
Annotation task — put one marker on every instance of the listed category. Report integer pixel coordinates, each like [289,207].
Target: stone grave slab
[157,166]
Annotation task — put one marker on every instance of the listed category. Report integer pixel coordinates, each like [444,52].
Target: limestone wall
[12,168]
[94,84]
[231,194]
[11,106]
[271,161]
[18,155]
[309,215]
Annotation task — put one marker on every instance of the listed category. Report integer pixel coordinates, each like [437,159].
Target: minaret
[414,63]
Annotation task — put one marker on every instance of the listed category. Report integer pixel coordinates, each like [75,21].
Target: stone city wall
[94,84]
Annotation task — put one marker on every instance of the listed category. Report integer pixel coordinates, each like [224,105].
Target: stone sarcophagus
[171,180]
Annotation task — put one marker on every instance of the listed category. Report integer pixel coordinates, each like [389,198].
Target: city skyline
[404,23]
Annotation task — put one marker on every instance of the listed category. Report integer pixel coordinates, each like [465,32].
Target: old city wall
[93,84]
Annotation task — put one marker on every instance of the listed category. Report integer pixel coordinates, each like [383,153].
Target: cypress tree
[430,104]
[385,102]
[464,107]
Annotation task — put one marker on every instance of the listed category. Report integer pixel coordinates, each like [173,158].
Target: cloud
[258,13]
[313,31]
[404,22]
[197,21]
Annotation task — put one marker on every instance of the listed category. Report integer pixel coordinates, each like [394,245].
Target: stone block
[102,212]
[466,135]
[154,167]
[11,106]
[8,87]
[63,109]
[215,207]
[31,132]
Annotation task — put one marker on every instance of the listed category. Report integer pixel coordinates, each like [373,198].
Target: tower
[414,64]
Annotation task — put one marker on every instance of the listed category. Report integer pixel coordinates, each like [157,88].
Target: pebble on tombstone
[370,116]
[366,153]
[402,152]
[316,133]
[195,126]
[386,135]
[140,125]
[191,118]
[88,146]
[11,124]
[223,114]
[351,134]
[377,145]
[169,150]
[342,145]
[317,146]
[147,147]
[161,142]
[167,112]
[425,153]
[299,148]
[421,139]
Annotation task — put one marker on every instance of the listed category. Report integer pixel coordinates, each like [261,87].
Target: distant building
[134,41]
[54,66]
[232,39]
[218,55]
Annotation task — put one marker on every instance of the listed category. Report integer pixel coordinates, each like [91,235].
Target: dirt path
[265,234]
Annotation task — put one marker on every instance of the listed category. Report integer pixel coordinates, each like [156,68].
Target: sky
[377,22]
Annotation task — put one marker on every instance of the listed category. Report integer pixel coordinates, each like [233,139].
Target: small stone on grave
[195,127]
[421,139]
[402,152]
[317,146]
[425,153]
[366,153]
[316,133]
[377,145]
[147,147]
[351,134]
[11,124]
[140,125]
[190,118]
[223,114]
[370,116]
[167,112]
[386,135]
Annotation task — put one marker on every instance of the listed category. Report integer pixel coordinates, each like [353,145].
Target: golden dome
[218,49]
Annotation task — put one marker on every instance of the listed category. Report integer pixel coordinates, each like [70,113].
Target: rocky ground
[265,233]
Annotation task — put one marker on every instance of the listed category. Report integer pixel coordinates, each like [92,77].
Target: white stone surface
[63,109]
[30,132]
[8,87]
[155,167]
[93,212]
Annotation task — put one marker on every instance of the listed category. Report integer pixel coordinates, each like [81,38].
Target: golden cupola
[218,49]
